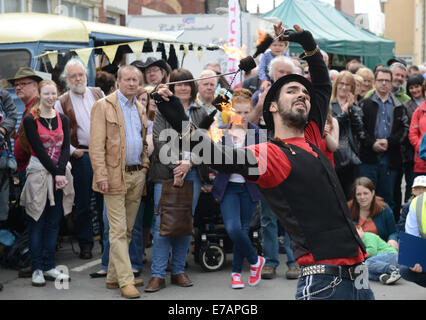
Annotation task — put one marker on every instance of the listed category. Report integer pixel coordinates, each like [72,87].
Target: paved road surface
[207,286]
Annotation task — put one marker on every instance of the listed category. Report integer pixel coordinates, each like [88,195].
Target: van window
[11,61]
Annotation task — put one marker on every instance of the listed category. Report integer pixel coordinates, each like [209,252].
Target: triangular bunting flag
[200,52]
[84,54]
[137,48]
[154,46]
[185,48]
[53,57]
[110,52]
[167,49]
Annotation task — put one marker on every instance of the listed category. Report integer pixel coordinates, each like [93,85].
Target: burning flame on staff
[228,113]
[235,52]
[261,36]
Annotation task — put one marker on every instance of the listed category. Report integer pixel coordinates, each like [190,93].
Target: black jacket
[398,134]
[8,109]
[351,132]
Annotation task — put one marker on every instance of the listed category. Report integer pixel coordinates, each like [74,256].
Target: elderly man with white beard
[77,104]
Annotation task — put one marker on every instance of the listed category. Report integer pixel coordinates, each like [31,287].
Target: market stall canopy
[32,27]
[333,32]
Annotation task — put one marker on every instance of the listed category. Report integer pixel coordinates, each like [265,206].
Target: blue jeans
[417,278]
[135,246]
[288,251]
[328,287]
[381,264]
[83,174]
[237,211]
[269,226]
[179,245]
[382,176]
[43,235]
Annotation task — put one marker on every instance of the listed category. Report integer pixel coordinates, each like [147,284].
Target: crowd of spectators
[373,135]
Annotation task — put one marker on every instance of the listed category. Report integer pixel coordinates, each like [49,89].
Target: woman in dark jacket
[237,196]
[172,165]
[351,130]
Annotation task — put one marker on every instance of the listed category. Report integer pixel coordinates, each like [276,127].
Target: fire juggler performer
[294,176]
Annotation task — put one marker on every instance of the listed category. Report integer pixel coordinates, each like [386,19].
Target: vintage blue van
[26,37]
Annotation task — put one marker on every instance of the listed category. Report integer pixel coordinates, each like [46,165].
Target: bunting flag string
[135,46]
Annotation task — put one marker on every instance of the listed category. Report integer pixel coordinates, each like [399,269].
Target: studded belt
[344,272]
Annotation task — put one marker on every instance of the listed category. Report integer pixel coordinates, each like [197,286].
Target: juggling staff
[246,64]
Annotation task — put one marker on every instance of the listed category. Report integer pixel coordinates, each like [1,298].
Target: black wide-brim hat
[393,60]
[150,61]
[276,88]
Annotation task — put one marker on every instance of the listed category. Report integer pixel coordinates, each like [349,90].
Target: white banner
[234,38]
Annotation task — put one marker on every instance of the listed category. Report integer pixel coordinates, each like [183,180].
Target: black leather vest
[311,206]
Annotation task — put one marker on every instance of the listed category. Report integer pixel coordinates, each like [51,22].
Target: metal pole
[191,80]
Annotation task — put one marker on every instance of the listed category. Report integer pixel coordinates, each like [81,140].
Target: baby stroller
[211,241]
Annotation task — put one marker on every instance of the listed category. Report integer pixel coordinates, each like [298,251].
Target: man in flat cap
[25,83]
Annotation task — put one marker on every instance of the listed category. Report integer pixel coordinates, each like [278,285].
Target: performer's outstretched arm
[222,158]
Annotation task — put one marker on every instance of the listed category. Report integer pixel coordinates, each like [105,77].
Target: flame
[261,35]
[214,132]
[228,113]
[235,52]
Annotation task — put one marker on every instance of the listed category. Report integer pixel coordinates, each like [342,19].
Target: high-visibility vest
[419,206]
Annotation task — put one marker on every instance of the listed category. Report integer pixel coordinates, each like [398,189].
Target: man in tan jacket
[119,154]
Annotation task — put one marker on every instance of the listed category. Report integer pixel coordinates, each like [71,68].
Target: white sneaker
[390,278]
[54,274]
[394,277]
[38,279]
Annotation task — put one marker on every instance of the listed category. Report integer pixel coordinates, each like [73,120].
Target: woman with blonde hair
[351,129]
[237,196]
[48,190]
[358,87]
[368,78]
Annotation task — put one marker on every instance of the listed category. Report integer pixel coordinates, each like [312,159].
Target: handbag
[7,160]
[175,208]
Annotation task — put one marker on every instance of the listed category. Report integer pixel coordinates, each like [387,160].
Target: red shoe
[237,283]
[255,272]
